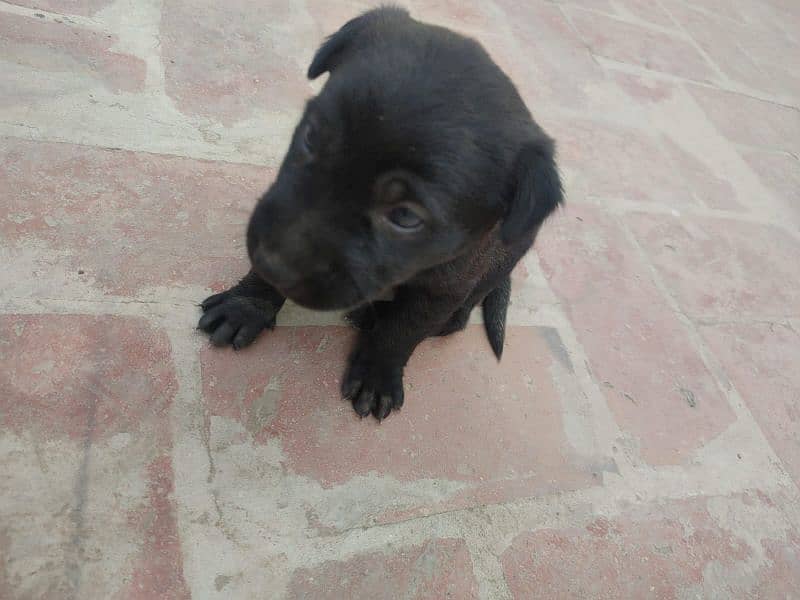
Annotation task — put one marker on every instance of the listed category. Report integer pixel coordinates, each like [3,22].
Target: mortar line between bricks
[66,18]
[568,20]
[742,147]
[698,48]
[605,429]
[752,95]
[493,526]
[674,32]
[621,206]
[623,487]
[729,392]
[611,64]
[67,306]
[191,311]
[119,300]
[604,62]
[487,568]
[198,157]
[760,320]
[188,413]
[700,10]
[730,87]
[660,5]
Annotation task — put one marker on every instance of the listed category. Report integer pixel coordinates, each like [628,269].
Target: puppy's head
[414,150]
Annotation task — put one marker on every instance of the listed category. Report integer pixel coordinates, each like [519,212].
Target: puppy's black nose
[272,266]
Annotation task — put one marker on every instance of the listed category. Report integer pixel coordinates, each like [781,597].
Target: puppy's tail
[495,306]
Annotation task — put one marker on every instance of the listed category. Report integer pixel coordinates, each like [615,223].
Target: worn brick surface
[653,378]
[632,10]
[65,374]
[750,46]
[464,16]
[761,361]
[87,508]
[613,161]
[224,64]
[545,57]
[516,404]
[646,11]
[638,440]
[642,46]
[706,184]
[723,267]
[59,50]
[750,121]
[645,89]
[440,568]
[69,7]
[780,173]
[127,221]
[675,550]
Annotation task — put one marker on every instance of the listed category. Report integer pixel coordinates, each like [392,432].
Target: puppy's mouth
[326,292]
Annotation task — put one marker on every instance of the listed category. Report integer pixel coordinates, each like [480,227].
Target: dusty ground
[640,439]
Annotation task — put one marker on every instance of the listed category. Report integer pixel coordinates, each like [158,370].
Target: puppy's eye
[309,139]
[404,219]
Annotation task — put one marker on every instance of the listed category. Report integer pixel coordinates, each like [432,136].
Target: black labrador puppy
[416,173]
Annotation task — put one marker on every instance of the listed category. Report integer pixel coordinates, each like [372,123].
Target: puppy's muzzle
[273,267]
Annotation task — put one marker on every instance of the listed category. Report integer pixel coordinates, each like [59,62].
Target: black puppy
[418,172]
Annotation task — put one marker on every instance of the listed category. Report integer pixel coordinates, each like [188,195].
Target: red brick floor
[640,438]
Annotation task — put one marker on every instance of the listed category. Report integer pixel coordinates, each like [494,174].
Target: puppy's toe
[224,334]
[213,301]
[353,380]
[382,406]
[364,402]
[398,395]
[211,319]
[246,335]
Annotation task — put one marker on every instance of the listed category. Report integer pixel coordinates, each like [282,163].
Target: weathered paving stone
[488,432]
[640,354]
[86,500]
[127,221]
[440,568]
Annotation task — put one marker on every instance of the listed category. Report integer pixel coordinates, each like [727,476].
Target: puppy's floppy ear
[535,190]
[333,50]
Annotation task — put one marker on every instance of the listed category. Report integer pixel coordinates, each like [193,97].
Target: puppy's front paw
[372,387]
[236,320]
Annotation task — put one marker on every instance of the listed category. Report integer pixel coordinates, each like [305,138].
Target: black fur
[417,172]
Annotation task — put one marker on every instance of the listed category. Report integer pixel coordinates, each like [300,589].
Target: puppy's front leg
[238,315]
[373,381]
